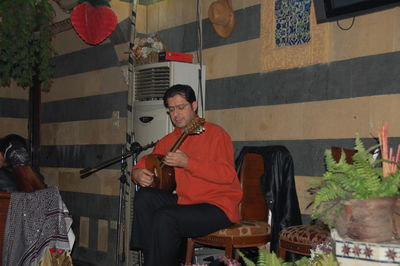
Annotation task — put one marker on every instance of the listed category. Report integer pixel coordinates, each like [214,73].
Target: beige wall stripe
[159,14]
[102,235]
[233,59]
[303,183]
[333,119]
[84,232]
[100,131]
[13,126]
[67,42]
[103,182]
[14,92]
[97,82]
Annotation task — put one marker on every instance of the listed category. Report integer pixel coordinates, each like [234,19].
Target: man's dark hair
[4,142]
[184,90]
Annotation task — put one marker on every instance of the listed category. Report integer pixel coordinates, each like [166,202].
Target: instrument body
[164,175]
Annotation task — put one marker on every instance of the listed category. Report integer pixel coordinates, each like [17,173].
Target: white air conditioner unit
[150,120]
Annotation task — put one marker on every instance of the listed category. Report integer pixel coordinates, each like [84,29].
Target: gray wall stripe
[148,2]
[184,38]
[94,206]
[358,77]
[90,257]
[85,108]
[14,108]
[338,80]
[79,156]
[308,155]
[179,39]
[121,33]
[97,57]
[93,232]
[306,219]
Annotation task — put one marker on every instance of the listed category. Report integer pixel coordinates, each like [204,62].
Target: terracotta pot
[396,219]
[369,220]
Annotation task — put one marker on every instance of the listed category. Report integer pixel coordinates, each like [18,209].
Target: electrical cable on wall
[349,27]
[199,54]
[133,258]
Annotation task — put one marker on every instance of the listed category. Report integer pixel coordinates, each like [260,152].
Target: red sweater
[210,176]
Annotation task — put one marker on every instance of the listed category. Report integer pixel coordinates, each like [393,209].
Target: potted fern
[266,258]
[358,199]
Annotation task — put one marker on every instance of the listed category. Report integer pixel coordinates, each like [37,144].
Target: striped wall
[307,97]
[14,110]
[84,118]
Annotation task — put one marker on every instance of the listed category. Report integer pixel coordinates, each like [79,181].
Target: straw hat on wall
[222,18]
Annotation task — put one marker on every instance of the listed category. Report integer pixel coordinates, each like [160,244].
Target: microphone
[137,148]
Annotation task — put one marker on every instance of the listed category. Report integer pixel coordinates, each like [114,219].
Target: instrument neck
[179,141]
[177,144]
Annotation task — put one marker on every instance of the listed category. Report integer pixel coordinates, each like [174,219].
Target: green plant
[324,260]
[270,259]
[363,179]
[25,42]
[266,258]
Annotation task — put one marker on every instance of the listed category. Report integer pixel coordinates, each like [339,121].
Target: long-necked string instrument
[164,177]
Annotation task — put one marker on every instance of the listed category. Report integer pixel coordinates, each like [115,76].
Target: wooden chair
[300,238]
[253,229]
[4,202]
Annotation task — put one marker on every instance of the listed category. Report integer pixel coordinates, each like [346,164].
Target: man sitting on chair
[208,191]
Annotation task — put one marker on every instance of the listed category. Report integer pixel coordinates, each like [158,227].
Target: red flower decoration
[93,23]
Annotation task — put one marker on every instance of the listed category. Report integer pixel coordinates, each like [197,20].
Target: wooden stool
[299,239]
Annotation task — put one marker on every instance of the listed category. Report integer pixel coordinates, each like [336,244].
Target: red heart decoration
[93,23]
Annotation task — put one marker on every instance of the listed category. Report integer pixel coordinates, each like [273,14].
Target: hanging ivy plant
[25,42]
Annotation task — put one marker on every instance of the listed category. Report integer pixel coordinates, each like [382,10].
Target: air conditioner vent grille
[151,83]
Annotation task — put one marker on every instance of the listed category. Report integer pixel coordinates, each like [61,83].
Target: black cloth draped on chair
[278,185]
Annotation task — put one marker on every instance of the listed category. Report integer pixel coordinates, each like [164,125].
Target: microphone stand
[135,150]
[121,211]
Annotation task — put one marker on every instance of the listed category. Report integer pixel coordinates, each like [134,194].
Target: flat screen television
[329,10]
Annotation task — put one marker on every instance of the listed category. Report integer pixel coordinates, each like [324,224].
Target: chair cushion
[305,234]
[245,228]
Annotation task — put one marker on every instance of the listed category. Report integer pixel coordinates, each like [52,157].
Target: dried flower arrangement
[390,161]
[146,49]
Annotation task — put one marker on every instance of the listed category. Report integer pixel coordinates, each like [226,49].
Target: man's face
[2,160]
[181,111]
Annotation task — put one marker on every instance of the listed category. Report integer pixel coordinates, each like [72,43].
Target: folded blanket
[36,221]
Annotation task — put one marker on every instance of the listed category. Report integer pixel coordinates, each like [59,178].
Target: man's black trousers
[160,225]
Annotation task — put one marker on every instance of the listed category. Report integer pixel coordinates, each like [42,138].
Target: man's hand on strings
[142,176]
[176,159]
